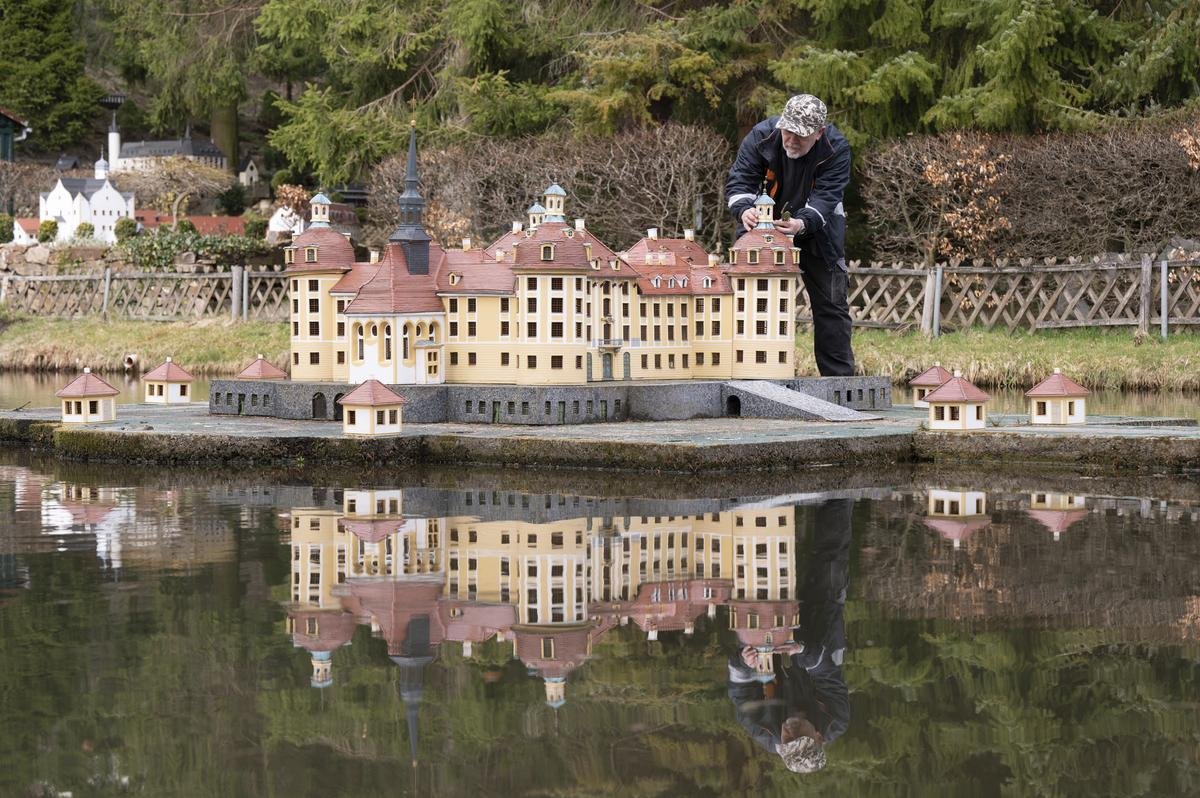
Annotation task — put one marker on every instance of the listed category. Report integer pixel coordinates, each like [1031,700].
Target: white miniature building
[248,174]
[957,405]
[168,385]
[957,514]
[87,399]
[1057,400]
[133,156]
[927,381]
[25,230]
[74,201]
[372,410]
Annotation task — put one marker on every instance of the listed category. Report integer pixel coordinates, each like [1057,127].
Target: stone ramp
[763,399]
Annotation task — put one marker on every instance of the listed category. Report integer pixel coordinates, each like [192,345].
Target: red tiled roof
[931,377]
[766,241]
[29,224]
[570,647]
[205,225]
[1058,385]
[570,251]
[358,276]
[1057,520]
[394,290]
[372,530]
[82,513]
[169,372]
[659,251]
[334,629]
[86,385]
[334,251]
[393,603]
[372,393]
[261,369]
[957,389]
[465,620]
[953,529]
[477,273]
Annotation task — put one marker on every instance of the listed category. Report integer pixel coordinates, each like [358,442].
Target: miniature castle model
[87,399]
[97,201]
[544,304]
[135,156]
[168,385]
[957,405]
[1058,399]
[926,382]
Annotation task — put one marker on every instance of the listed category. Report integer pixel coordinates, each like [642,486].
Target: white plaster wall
[106,411]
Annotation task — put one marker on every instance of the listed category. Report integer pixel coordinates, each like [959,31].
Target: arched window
[374,330]
[358,337]
[404,343]
[387,342]
[656,282]
[708,282]
[670,282]
[420,330]
[547,252]
[433,331]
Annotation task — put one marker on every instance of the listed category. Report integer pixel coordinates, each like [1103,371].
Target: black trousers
[827,285]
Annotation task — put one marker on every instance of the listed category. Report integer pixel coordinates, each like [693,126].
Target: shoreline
[146,434]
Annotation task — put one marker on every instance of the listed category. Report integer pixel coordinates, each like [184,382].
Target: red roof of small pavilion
[1057,385]
[955,529]
[334,251]
[931,377]
[169,372]
[86,385]
[1057,520]
[372,393]
[261,369]
[957,389]
[372,530]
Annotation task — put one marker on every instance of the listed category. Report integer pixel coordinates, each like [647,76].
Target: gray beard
[789,154]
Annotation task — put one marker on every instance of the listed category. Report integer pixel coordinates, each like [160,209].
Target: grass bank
[206,347]
[1103,359]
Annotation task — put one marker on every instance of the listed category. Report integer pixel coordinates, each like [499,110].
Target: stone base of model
[815,398]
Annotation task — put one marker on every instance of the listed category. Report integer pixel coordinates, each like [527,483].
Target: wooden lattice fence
[1028,295]
[238,293]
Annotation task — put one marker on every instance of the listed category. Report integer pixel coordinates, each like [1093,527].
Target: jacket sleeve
[745,176]
[825,199]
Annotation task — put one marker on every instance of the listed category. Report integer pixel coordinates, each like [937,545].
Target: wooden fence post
[245,294]
[937,301]
[4,287]
[236,291]
[107,288]
[927,306]
[1144,304]
[1164,300]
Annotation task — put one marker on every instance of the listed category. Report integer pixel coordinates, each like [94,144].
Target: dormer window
[616,265]
[289,256]
[752,256]
[768,238]
[733,253]
[670,282]
[708,282]
[596,264]
[796,256]
[683,281]
[569,232]
[779,257]
[656,282]
[547,252]
[310,254]
[453,278]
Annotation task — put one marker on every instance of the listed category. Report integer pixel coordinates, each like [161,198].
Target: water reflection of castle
[549,587]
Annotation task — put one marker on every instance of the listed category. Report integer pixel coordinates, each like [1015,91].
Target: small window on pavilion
[779,257]
[683,281]
[289,256]
[670,282]
[547,252]
[752,256]
[656,282]
[768,238]
[733,253]
[707,282]
[310,254]
[453,278]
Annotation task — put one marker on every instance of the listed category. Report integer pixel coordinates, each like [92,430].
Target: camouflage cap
[803,115]
[802,755]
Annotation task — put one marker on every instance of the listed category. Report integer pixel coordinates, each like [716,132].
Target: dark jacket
[813,192]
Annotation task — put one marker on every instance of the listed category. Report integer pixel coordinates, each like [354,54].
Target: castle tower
[322,665]
[766,212]
[114,144]
[410,234]
[101,167]
[556,691]
[320,210]
[537,214]
[555,198]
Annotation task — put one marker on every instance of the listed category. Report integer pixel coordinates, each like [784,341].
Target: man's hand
[789,226]
[750,218]
[750,656]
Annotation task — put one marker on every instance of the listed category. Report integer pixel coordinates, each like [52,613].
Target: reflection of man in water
[805,705]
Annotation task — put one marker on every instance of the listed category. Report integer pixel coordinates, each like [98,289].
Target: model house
[372,409]
[928,380]
[1057,511]
[168,385]
[1058,399]
[957,405]
[262,369]
[97,201]
[547,303]
[87,399]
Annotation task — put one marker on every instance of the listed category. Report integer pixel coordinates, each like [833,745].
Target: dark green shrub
[126,228]
[282,177]
[185,226]
[6,228]
[232,201]
[256,226]
[47,231]
[85,230]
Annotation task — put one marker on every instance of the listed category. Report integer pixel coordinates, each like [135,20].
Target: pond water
[37,390]
[486,633]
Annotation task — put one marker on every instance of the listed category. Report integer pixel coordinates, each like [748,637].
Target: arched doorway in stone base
[319,410]
[733,407]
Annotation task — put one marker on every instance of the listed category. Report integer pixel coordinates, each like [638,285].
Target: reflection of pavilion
[551,587]
[957,514]
[1057,511]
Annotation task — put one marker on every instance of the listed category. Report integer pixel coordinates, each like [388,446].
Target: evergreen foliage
[6,228]
[125,228]
[47,231]
[85,230]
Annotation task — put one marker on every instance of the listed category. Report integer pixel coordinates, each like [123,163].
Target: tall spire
[410,234]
